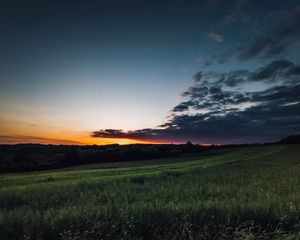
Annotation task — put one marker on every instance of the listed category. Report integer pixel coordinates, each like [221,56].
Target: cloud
[235,78]
[294,70]
[182,106]
[243,105]
[220,109]
[216,37]
[280,31]
[198,76]
[255,47]
[256,124]
[142,134]
[222,90]
[273,69]
[114,133]
[274,36]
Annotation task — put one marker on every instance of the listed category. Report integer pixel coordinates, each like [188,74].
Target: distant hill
[33,157]
[292,139]
[30,157]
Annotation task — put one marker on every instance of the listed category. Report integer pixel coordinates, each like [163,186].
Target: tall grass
[246,194]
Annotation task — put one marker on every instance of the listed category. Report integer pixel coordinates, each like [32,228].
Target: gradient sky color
[71,68]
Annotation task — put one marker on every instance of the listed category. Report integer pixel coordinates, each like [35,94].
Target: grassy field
[246,193]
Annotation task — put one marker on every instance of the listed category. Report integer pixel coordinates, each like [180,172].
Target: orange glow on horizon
[14,131]
[17,139]
[121,141]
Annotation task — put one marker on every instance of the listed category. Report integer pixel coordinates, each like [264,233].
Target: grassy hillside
[246,193]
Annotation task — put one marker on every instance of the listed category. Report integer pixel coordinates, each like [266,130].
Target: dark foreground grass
[250,193]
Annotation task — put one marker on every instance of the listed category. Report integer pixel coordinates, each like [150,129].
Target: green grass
[247,193]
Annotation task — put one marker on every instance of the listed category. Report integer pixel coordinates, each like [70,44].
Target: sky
[154,71]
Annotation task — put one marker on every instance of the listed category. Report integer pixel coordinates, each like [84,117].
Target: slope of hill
[33,157]
[244,193]
[292,139]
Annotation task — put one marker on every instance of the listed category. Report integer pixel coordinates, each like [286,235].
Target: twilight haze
[100,72]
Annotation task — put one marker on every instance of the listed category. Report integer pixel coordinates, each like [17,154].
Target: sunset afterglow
[206,71]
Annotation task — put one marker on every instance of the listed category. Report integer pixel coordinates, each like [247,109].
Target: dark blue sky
[73,68]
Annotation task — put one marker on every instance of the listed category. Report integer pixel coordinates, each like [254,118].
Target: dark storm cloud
[259,123]
[144,134]
[219,90]
[197,92]
[271,70]
[280,30]
[109,132]
[255,124]
[279,94]
[251,121]
[255,47]
[294,70]
[269,113]
[235,78]
[219,110]
[183,106]
[274,35]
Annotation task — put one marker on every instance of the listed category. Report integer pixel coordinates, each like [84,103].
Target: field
[243,193]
